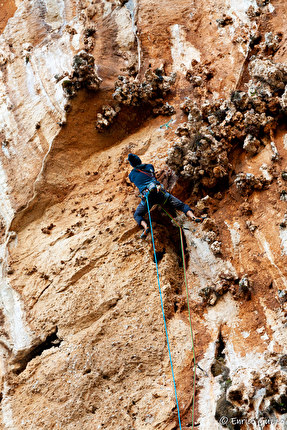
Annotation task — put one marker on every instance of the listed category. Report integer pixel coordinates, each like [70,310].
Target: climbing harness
[164,320]
[151,188]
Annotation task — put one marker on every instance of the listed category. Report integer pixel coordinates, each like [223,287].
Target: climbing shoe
[200,219]
[145,233]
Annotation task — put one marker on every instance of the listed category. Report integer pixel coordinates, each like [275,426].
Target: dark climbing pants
[158,199]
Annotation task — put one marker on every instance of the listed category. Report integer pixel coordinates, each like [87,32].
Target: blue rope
[161,301]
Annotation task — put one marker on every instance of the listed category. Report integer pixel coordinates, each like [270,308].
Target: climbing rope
[190,324]
[189,314]
[161,301]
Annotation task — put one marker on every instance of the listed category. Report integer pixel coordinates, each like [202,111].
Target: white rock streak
[12,307]
[55,13]
[125,36]
[265,245]
[182,52]
[239,8]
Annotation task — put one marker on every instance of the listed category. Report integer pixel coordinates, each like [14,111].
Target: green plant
[66,83]
[78,61]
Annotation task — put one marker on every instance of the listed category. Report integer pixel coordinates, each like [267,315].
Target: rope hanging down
[161,301]
[190,323]
[189,314]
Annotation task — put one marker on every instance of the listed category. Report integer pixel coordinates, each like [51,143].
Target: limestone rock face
[198,89]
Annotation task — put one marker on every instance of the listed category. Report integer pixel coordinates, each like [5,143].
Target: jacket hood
[134,160]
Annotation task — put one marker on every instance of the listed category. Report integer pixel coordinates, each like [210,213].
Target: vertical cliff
[199,89]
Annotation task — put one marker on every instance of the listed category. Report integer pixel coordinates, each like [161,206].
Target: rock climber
[143,176]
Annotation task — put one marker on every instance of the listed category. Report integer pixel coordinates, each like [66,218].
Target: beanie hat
[134,160]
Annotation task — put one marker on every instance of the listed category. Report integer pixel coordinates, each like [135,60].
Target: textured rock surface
[82,338]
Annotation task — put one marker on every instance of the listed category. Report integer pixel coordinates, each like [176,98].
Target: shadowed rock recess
[198,89]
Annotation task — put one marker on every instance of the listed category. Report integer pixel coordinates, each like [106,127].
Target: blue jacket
[142,180]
